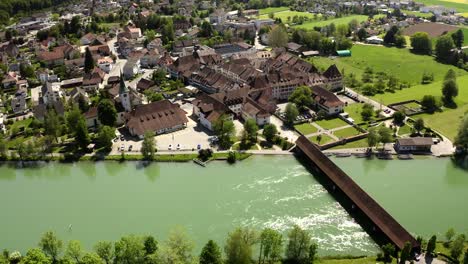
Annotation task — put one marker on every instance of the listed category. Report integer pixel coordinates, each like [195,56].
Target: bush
[231,157]
[205,154]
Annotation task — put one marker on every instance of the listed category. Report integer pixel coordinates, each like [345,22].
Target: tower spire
[123,88]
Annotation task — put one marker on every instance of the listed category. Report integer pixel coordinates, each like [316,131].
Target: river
[105,200]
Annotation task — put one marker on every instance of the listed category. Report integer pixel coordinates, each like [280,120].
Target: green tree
[418,124]
[400,41]
[385,134]
[207,30]
[449,91]
[443,48]
[431,245]
[71,118]
[421,43]
[450,75]
[224,130]
[461,140]
[298,245]
[148,147]
[107,113]
[105,136]
[81,134]
[52,124]
[362,34]
[151,245]
[405,254]
[449,235]
[399,117]
[465,259]
[129,250]
[429,103]
[388,251]
[301,97]
[458,38]
[373,138]
[3,147]
[291,113]
[312,253]
[278,36]
[271,245]
[51,245]
[211,254]
[89,61]
[74,250]
[35,256]
[251,129]
[177,248]
[269,132]
[239,245]
[367,112]
[105,250]
[457,247]
[91,258]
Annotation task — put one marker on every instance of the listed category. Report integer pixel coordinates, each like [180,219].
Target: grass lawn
[236,146]
[285,14]
[399,62]
[22,123]
[346,132]
[417,13]
[362,143]
[269,10]
[109,25]
[336,21]
[306,128]
[447,121]
[325,139]
[459,5]
[354,111]
[404,130]
[331,123]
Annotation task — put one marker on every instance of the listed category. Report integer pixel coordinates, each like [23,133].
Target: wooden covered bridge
[380,225]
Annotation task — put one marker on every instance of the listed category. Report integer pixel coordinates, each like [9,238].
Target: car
[122,147]
[178,146]
[170,147]
[130,148]
[122,137]
[199,146]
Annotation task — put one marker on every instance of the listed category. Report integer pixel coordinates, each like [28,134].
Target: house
[71,83]
[229,49]
[50,93]
[40,111]
[131,68]
[158,117]
[155,44]
[415,144]
[294,48]
[374,40]
[91,116]
[92,81]
[252,110]
[79,96]
[87,39]
[150,59]
[144,85]
[327,101]
[218,17]
[52,58]
[334,78]
[105,64]
[208,109]
[8,81]
[18,102]
[132,32]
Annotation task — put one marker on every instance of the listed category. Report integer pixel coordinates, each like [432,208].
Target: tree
[458,38]
[81,134]
[52,124]
[405,254]
[206,29]
[421,43]
[105,136]
[400,41]
[418,124]
[291,114]
[461,140]
[450,75]
[449,91]
[3,147]
[74,250]
[129,249]
[385,135]
[465,259]
[238,247]
[389,37]
[105,251]
[251,129]
[429,103]
[89,61]
[457,246]
[224,130]
[388,251]
[399,117]
[51,245]
[362,34]
[35,256]
[278,36]
[269,132]
[373,138]
[301,97]
[148,147]
[367,112]
[443,49]
[298,245]
[431,245]
[312,253]
[271,243]
[151,245]
[177,248]
[449,235]
[107,113]
[211,254]
[91,258]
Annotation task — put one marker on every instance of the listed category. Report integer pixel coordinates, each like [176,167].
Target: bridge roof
[378,215]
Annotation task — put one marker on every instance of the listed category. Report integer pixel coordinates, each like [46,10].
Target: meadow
[460,5]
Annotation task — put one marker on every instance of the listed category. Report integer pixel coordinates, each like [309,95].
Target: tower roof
[123,88]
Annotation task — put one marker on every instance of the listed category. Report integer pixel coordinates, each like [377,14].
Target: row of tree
[240,247]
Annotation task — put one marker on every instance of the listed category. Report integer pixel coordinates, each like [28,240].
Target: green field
[404,130]
[346,132]
[269,10]
[445,122]
[283,15]
[362,143]
[417,13]
[336,21]
[306,128]
[325,139]
[331,123]
[458,5]
[465,34]
[354,111]
[399,62]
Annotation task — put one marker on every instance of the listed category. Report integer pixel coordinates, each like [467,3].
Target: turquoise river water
[106,200]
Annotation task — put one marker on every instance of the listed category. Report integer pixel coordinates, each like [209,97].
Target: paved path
[328,132]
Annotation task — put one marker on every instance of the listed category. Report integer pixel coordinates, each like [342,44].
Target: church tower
[124,95]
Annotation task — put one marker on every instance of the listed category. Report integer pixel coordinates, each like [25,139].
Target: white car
[170,147]
[178,146]
[122,147]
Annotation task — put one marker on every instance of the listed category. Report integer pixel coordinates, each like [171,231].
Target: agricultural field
[447,121]
[433,29]
[461,6]
[283,15]
[269,10]
[388,60]
[417,13]
[336,21]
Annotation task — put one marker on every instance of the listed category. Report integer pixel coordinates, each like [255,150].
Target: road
[375,104]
